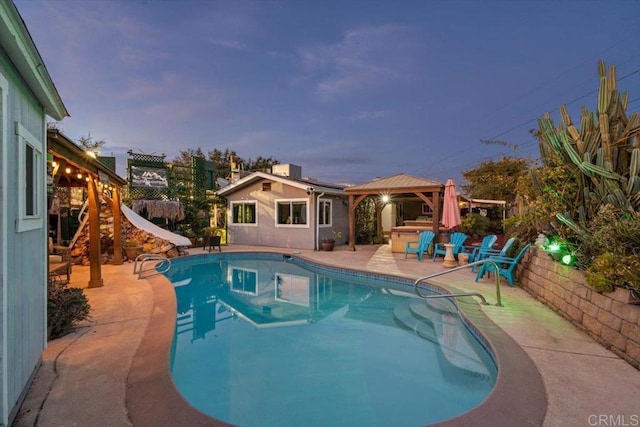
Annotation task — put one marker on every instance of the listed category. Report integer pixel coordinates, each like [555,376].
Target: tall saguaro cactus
[603,156]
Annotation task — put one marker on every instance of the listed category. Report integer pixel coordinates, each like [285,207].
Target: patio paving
[83,377]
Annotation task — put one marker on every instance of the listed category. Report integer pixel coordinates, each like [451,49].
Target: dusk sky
[349,90]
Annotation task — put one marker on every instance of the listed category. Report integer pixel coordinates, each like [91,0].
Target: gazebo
[73,167]
[423,196]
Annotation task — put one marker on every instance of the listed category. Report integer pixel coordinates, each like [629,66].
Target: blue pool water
[268,340]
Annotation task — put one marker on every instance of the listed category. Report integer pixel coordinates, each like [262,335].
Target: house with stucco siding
[282,209]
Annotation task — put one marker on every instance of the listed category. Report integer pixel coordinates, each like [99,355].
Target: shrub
[474,224]
[609,270]
[65,307]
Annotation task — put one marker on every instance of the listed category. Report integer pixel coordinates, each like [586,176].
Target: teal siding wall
[24,282]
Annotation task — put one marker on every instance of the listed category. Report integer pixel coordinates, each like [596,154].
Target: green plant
[65,307]
[474,224]
[588,188]
[610,270]
[601,158]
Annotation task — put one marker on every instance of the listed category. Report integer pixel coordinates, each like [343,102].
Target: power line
[555,109]
[558,108]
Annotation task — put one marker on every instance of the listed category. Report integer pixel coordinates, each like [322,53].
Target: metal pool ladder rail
[416,288]
[164,262]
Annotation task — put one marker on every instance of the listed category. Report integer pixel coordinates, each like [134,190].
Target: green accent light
[553,247]
[567,259]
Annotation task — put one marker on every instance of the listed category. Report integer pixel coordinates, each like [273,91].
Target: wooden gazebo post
[352,224]
[95,271]
[117,227]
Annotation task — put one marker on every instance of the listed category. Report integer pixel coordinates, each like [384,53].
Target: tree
[222,162]
[496,180]
[89,144]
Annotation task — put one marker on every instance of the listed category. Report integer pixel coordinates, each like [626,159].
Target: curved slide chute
[142,224]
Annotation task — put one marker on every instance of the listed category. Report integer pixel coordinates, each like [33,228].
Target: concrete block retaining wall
[607,317]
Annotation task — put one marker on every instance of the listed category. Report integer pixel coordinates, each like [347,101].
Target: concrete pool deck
[86,376]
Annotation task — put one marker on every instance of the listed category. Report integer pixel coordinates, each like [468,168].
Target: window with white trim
[244,213]
[30,180]
[292,212]
[325,213]
[244,280]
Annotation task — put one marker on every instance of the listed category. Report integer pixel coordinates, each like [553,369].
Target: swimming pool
[267,339]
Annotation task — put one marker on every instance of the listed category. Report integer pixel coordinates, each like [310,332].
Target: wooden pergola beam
[65,150]
[356,196]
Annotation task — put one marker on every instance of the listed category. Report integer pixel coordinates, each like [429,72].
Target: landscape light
[568,259]
[553,247]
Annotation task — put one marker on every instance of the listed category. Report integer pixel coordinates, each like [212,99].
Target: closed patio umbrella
[450,210]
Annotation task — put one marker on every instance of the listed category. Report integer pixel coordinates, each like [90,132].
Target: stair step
[437,314]
[403,315]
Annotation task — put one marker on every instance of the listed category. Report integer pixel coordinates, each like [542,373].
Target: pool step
[442,327]
[434,311]
[404,316]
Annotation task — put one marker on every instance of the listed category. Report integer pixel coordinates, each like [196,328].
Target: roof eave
[19,46]
[79,156]
[262,175]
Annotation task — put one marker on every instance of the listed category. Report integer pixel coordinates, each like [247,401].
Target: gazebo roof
[402,182]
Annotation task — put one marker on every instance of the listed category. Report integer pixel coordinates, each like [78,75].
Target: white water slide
[142,224]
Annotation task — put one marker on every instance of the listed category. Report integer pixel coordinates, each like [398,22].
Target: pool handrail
[142,258]
[416,288]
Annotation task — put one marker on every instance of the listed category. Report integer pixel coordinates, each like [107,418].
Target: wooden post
[95,270]
[379,233]
[352,224]
[117,227]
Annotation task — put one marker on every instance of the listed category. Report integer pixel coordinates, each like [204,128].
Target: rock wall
[149,242]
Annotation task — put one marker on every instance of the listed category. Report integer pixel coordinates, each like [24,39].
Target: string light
[68,170]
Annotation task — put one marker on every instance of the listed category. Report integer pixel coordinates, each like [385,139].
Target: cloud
[229,44]
[367,115]
[364,59]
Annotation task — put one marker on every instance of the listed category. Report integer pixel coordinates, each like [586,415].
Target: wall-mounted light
[54,163]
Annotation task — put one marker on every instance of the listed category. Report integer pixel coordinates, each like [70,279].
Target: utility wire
[555,109]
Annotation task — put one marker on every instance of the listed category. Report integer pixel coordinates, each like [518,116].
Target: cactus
[601,155]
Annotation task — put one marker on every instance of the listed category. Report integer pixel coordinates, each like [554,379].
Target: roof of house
[395,182]
[303,184]
[21,50]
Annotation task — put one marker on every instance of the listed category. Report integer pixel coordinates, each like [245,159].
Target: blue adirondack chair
[476,252]
[457,239]
[494,252]
[425,240]
[506,265]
